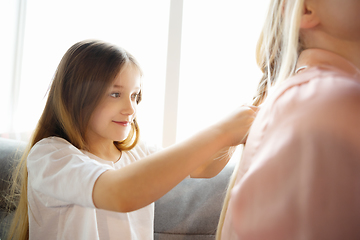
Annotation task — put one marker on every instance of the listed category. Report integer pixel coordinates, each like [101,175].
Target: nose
[128,107]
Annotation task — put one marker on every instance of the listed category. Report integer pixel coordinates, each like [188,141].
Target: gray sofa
[10,152]
[188,212]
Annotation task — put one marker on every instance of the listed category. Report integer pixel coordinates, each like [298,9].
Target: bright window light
[218,72]
[218,67]
[139,26]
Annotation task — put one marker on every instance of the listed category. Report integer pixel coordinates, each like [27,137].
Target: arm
[145,181]
[216,163]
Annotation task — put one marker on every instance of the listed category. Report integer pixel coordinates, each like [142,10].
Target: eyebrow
[119,86]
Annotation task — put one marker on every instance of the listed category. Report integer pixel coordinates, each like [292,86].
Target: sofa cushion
[192,208]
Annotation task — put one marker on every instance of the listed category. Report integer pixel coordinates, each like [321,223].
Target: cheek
[98,117]
[94,122]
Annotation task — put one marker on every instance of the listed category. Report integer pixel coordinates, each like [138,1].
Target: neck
[105,150]
[349,50]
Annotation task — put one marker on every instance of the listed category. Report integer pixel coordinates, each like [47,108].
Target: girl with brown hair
[86,175]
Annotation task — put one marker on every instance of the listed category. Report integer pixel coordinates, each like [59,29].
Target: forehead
[129,76]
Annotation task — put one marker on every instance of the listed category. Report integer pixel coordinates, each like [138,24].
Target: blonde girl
[299,173]
[86,175]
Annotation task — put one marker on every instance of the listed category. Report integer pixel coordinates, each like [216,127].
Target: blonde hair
[83,76]
[277,51]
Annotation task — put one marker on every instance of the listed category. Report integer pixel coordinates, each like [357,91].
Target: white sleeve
[61,174]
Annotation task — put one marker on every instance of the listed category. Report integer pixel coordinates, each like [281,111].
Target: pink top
[299,177]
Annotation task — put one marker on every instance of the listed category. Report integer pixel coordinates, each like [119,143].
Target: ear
[309,18]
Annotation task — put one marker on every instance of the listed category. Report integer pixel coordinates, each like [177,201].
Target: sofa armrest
[10,153]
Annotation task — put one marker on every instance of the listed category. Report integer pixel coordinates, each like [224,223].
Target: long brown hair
[83,76]
[277,51]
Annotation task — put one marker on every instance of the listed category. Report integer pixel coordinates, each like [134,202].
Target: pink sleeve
[304,182]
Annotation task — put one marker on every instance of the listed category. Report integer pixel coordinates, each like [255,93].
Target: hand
[236,127]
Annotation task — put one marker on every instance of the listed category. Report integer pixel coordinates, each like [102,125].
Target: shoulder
[55,142]
[60,154]
[317,106]
[319,98]
[52,144]
[317,85]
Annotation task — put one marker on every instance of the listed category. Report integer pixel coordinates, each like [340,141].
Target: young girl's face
[111,119]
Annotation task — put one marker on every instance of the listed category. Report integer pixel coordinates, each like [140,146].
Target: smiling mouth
[122,123]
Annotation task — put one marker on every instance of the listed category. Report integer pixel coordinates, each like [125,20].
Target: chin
[120,139]
[119,136]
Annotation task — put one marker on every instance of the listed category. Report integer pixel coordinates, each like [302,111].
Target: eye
[115,95]
[135,96]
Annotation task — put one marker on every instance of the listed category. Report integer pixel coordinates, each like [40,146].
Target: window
[51,27]
[218,67]
[213,45]
[8,26]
